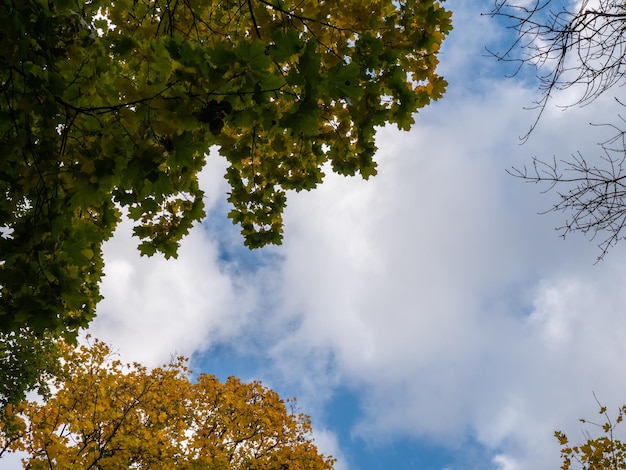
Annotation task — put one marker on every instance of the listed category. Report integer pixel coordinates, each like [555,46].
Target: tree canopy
[105,414]
[26,361]
[109,108]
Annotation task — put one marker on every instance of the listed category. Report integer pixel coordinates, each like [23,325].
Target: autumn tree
[105,414]
[605,452]
[579,46]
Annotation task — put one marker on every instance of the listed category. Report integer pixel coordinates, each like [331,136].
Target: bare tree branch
[585,47]
[593,194]
[582,47]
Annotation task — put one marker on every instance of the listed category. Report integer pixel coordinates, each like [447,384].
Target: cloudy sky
[425,319]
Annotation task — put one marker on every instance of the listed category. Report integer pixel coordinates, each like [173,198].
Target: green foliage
[26,362]
[109,108]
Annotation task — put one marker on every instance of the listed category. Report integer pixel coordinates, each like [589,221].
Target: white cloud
[154,307]
[326,443]
[424,334]
[13,460]
[505,463]
[437,291]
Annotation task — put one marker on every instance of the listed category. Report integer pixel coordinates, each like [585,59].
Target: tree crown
[106,414]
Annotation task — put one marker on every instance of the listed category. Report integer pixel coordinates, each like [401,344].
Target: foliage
[110,107]
[601,453]
[581,47]
[26,363]
[106,414]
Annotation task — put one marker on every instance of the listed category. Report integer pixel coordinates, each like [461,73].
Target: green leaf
[343,81]
[272,81]
[254,54]
[285,44]
[124,45]
[147,248]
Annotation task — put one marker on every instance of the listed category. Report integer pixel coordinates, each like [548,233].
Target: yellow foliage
[602,453]
[106,414]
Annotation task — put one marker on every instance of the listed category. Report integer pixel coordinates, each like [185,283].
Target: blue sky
[426,319]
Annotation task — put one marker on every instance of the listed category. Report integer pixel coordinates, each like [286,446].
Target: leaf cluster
[109,108]
[105,414]
[27,362]
[605,452]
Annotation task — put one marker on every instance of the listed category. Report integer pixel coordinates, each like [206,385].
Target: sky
[426,319]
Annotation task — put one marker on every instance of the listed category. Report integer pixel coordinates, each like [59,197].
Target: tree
[105,414]
[597,453]
[27,361]
[110,107]
[581,46]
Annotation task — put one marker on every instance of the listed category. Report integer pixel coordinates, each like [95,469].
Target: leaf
[123,45]
[285,45]
[254,55]
[343,81]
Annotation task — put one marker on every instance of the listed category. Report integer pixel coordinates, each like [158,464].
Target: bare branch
[593,194]
[585,47]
